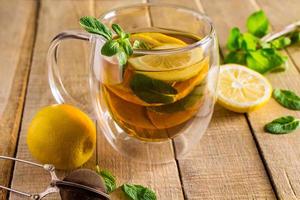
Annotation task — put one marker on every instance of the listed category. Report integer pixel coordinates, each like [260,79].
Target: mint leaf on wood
[281,42]
[233,39]
[258,24]
[138,192]
[287,99]
[109,179]
[282,125]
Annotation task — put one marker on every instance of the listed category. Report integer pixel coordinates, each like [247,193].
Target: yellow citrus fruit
[242,89]
[62,135]
[155,39]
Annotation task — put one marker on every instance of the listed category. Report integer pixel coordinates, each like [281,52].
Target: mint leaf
[109,179]
[127,47]
[287,99]
[122,57]
[118,30]
[152,90]
[264,60]
[238,57]
[282,125]
[248,41]
[92,25]
[281,42]
[110,48]
[258,24]
[233,39]
[138,192]
[190,100]
[295,37]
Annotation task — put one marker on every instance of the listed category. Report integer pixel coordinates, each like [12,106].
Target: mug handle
[58,90]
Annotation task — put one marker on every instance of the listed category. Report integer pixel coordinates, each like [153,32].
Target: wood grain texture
[16,42]
[280,152]
[53,19]
[225,164]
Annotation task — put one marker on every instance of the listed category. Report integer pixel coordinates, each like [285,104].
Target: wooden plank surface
[225,164]
[17,20]
[280,153]
[53,19]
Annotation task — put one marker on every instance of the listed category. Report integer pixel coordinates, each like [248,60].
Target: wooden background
[235,159]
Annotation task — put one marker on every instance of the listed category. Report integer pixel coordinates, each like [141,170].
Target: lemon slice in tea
[155,39]
[173,67]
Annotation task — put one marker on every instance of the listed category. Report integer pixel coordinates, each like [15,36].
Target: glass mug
[137,120]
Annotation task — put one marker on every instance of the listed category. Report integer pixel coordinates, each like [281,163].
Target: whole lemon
[62,135]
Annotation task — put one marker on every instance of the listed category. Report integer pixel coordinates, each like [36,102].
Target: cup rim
[203,41]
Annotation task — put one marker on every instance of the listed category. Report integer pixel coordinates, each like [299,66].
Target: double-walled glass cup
[157,107]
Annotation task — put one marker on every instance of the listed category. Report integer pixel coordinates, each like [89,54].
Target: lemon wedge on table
[242,89]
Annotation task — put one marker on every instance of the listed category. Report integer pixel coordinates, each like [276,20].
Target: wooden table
[235,159]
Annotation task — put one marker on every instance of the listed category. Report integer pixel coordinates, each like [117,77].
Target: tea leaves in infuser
[282,125]
[287,99]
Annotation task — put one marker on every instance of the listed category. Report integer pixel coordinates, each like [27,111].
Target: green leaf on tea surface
[138,192]
[264,60]
[281,42]
[282,125]
[92,25]
[190,100]
[110,48]
[109,179]
[238,57]
[233,39]
[258,24]
[152,90]
[287,99]
[248,42]
[139,44]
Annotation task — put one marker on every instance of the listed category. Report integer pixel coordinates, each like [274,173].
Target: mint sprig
[119,46]
[287,99]
[248,48]
[138,192]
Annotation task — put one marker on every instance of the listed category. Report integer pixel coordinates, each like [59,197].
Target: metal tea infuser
[68,188]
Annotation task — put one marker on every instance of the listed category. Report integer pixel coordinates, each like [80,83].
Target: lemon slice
[242,89]
[155,39]
[145,38]
[162,38]
[167,61]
